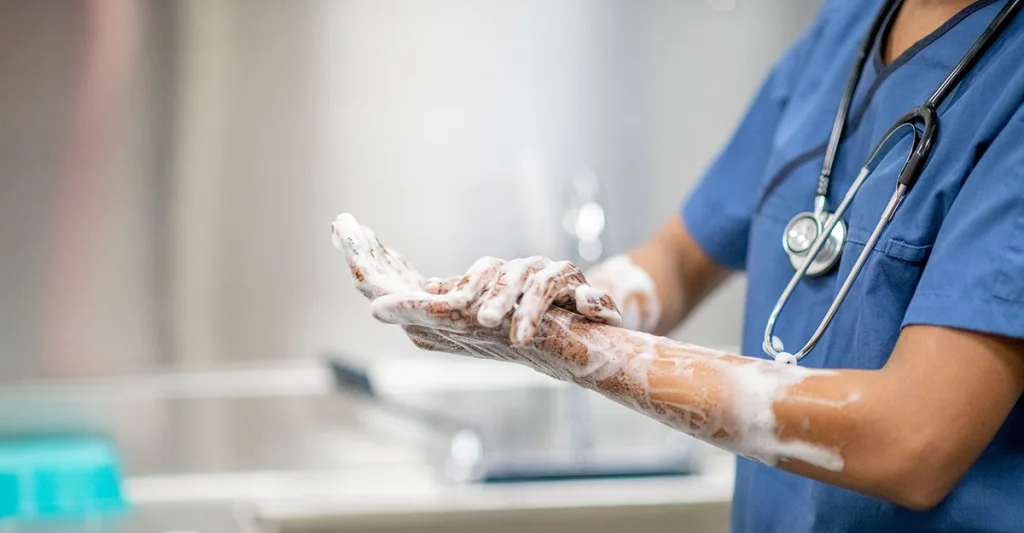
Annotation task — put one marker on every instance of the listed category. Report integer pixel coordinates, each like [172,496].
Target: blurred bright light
[589,222]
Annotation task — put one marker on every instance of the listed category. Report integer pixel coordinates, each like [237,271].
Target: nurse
[906,415]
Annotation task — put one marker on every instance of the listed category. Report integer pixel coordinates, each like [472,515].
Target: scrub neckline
[882,70]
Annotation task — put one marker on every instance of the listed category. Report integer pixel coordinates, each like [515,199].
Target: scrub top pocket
[885,285]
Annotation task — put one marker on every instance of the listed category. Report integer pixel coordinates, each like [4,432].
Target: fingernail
[612,318]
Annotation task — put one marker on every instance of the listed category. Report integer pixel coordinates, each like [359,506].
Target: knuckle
[561,270]
[537,261]
[485,263]
[568,266]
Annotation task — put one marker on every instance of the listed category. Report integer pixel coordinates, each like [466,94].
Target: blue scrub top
[953,255]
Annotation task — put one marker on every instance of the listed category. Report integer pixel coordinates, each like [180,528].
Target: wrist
[632,289]
[573,349]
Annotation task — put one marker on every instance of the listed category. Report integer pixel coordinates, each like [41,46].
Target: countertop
[282,444]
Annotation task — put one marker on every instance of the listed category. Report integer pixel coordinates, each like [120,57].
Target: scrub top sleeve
[718,210]
[974,277]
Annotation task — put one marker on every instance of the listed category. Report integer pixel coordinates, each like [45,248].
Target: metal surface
[170,167]
[551,433]
[159,436]
[528,429]
[273,443]
[163,426]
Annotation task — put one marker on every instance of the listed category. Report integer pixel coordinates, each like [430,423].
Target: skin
[955,387]
[683,274]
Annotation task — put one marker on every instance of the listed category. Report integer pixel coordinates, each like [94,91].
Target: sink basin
[531,429]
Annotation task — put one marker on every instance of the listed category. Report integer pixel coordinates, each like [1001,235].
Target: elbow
[921,497]
[919,477]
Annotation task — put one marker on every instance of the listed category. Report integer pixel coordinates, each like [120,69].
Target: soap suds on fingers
[632,289]
[727,400]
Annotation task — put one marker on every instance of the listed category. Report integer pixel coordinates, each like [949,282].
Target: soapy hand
[493,294]
[379,271]
[632,290]
[724,399]
[445,314]
[376,270]
[520,291]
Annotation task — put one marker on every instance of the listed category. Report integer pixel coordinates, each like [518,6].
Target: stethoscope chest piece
[805,236]
[799,237]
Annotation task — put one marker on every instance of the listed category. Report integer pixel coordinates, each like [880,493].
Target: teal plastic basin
[59,478]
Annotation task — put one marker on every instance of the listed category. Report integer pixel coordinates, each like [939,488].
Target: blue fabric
[953,255]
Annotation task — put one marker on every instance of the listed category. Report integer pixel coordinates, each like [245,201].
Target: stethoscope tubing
[883,147]
[923,142]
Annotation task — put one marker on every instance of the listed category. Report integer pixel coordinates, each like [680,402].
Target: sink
[526,430]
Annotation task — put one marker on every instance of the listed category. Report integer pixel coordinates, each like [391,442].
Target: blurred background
[170,169]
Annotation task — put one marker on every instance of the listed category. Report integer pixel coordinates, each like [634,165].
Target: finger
[477,278]
[427,310]
[556,282]
[440,285]
[348,236]
[430,340]
[597,305]
[352,239]
[503,293]
[356,239]
[376,270]
[402,271]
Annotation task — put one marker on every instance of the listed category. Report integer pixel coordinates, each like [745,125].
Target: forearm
[657,284]
[906,432]
[827,425]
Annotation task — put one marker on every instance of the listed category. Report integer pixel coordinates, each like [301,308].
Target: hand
[445,315]
[522,291]
[441,315]
[378,271]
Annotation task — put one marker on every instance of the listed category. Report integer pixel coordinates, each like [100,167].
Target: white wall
[247,125]
[700,69]
[448,127]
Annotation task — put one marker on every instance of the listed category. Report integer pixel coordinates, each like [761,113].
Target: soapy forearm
[836,426]
[632,289]
[657,284]
[809,421]
[797,418]
[752,407]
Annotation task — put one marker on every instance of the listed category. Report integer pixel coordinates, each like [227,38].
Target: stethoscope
[814,240]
